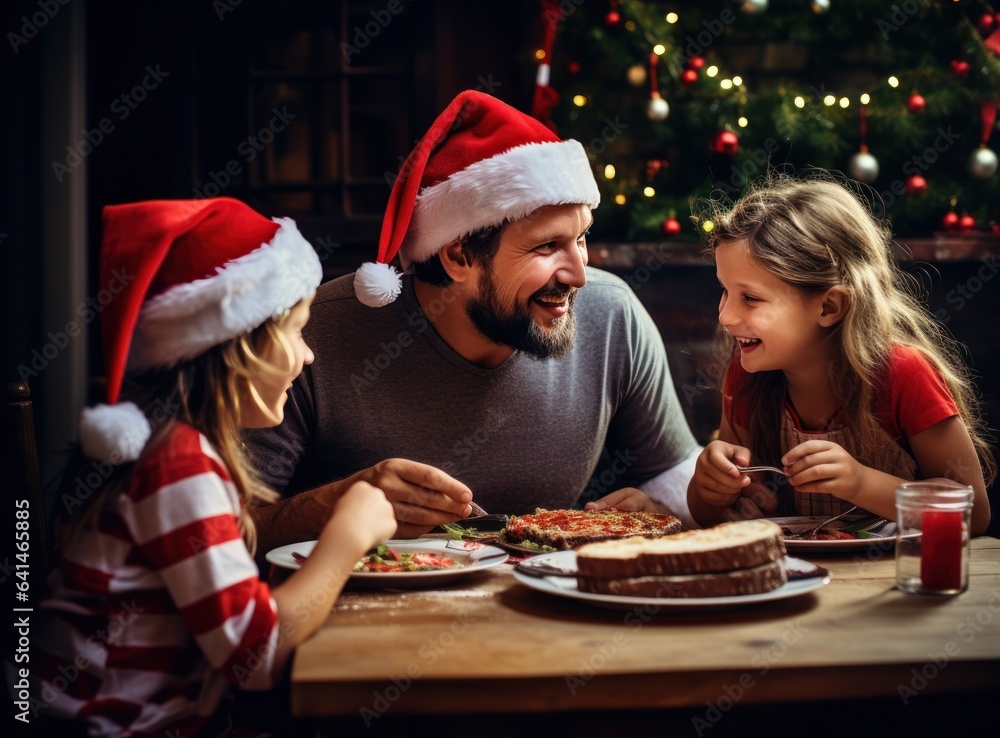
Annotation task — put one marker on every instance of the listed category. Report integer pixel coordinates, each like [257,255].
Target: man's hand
[630,499]
[422,496]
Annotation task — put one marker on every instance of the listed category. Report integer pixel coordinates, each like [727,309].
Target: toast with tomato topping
[565,529]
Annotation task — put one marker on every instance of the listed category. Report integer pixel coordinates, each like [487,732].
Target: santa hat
[481,163]
[181,277]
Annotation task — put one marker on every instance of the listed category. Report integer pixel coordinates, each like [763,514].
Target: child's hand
[716,479]
[823,467]
[365,511]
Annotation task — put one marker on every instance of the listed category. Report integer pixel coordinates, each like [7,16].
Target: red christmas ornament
[612,19]
[950,221]
[655,166]
[689,77]
[672,227]
[916,103]
[960,67]
[916,186]
[725,142]
[573,67]
[986,23]
[696,62]
[966,223]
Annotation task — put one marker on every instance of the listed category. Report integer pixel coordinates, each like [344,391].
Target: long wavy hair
[207,393]
[814,232]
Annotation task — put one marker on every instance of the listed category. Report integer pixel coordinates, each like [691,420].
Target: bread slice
[564,529]
[756,580]
[741,544]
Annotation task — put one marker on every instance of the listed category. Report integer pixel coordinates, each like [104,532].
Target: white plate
[884,539]
[566,586]
[470,555]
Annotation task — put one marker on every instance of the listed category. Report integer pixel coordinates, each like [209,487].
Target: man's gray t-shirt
[529,433]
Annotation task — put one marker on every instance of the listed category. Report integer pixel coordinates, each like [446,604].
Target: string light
[672,18]
[866,98]
[648,191]
[708,226]
[609,171]
[893,82]
[844,102]
[738,81]
[659,49]
[800,102]
[540,54]
[629,25]
[726,84]
[742,122]
[619,199]
[712,71]
[829,100]
[579,100]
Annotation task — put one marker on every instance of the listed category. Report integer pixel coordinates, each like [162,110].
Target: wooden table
[487,643]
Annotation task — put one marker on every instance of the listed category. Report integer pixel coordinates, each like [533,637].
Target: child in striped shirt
[156,607]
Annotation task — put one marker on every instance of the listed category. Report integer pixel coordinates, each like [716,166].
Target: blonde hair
[207,392]
[814,233]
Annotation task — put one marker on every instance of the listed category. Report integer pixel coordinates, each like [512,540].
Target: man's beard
[514,327]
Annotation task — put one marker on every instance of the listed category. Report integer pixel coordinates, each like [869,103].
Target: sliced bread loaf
[741,544]
[755,580]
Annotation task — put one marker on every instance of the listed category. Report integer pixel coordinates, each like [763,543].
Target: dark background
[258,101]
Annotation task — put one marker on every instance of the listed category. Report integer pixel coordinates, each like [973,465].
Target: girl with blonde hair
[157,607]
[837,373]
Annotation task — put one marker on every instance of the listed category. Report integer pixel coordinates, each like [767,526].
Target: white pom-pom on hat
[114,433]
[377,284]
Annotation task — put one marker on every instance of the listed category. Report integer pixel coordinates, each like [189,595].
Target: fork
[752,469]
[812,533]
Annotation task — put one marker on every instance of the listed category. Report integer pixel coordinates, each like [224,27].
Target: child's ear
[834,306]
[454,262]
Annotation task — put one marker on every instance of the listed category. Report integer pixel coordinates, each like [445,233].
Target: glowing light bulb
[737,80]
[609,171]
[742,122]
[726,84]
[800,102]
[672,18]
[659,49]
[893,82]
[712,71]
[579,100]
[708,226]
[866,98]
[844,102]
[619,199]
[540,54]
[829,100]
[648,191]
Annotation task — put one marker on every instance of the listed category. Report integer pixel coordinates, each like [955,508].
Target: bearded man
[500,367]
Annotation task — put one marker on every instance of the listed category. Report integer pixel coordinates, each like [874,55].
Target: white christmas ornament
[864,167]
[657,109]
[983,163]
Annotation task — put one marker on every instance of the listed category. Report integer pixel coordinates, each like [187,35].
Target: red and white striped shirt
[160,608]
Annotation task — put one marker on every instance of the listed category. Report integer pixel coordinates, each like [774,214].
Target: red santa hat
[183,276]
[481,163]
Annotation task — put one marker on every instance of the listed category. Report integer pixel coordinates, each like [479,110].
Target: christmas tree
[675,101]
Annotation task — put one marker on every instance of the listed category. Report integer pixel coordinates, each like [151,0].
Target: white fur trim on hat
[507,186]
[377,284]
[114,433]
[188,319]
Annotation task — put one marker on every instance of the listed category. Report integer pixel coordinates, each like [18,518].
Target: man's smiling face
[525,293]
